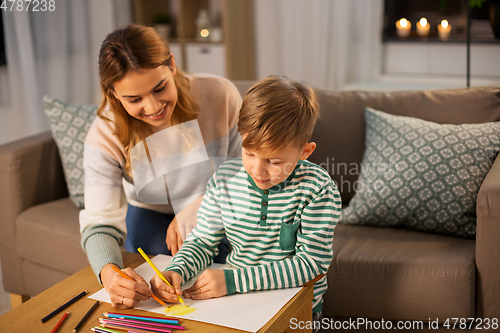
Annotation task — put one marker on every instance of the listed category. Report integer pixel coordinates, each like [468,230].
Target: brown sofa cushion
[340,131]
[398,274]
[49,235]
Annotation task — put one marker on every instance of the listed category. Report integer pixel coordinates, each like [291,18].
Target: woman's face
[149,95]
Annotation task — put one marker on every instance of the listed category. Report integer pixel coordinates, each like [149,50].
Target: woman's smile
[159,115]
[149,95]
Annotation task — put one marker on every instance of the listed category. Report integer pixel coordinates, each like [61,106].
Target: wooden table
[26,317]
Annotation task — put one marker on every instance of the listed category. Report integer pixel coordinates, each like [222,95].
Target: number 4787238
[28,5]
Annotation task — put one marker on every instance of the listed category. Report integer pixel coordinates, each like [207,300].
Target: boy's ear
[307,150]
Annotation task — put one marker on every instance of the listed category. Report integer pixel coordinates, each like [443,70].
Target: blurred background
[330,44]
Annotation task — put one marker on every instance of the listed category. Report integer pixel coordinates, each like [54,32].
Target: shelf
[234,18]
[198,41]
[455,40]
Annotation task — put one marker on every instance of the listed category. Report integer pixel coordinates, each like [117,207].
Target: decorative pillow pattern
[422,175]
[69,124]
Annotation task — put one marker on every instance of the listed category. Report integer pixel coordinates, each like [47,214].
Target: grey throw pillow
[422,175]
[69,125]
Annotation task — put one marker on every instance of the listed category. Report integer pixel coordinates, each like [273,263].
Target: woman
[144,93]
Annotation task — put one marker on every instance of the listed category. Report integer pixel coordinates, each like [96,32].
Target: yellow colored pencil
[129,278]
[145,256]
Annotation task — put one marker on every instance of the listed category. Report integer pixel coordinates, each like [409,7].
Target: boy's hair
[277,111]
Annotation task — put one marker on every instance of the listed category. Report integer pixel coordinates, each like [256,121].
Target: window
[453,11]
[3,58]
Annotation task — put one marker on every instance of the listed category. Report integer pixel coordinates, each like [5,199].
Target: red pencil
[60,322]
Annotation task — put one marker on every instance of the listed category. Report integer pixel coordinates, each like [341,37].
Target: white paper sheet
[247,312]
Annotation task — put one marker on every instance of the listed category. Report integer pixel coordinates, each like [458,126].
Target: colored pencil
[65,305]
[98,329]
[112,315]
[96,304]
[128,277]
[138,322]
[59,323]
[144,255]
[133,330]
[111,324]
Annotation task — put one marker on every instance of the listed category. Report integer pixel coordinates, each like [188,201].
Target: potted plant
[493,7]
[162,23]
[495,17]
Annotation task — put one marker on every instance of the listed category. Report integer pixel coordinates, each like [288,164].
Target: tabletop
[26,317]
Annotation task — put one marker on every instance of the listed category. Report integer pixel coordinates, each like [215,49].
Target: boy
[277,210]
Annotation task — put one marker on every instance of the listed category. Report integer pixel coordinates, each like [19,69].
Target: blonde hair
[131,49]
[276,112]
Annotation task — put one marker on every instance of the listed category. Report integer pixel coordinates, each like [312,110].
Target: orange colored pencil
[128,277]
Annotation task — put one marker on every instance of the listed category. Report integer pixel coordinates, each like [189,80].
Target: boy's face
[268,170]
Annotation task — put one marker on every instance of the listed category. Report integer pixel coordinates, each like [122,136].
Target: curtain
[55,53]
[326,43]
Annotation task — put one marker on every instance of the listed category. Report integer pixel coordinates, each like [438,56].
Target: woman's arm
[102,222]
[103,228]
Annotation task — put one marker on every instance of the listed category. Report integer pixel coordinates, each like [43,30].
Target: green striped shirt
[279,238]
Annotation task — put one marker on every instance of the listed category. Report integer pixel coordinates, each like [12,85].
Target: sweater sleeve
[313,251]
[200,248]
[102,222]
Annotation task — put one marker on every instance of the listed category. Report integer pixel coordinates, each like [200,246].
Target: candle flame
[423,21]
[204,33]
[403,22]
[444,24]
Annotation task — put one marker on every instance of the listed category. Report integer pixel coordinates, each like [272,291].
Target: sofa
[377,272]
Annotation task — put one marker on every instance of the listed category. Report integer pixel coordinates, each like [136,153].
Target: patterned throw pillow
[69,124]
[422,175]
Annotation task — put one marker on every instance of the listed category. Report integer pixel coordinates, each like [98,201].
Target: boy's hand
[210,284]
[163,290]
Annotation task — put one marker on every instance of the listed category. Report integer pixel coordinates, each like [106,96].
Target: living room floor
[4,297]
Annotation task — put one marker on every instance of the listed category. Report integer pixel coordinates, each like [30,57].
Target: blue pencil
[141,318]
[65,305]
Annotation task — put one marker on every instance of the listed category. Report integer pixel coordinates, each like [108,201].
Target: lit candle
[403,27]
[204,33]
[444,30]
[423,27]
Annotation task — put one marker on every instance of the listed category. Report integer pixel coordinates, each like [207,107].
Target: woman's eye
[274,162]
[159,89]
[135,100]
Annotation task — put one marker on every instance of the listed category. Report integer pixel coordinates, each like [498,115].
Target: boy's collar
[278,187]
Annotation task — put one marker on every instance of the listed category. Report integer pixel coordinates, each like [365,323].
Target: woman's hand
[124,293]
[210,284]
[174,239]
[163,290]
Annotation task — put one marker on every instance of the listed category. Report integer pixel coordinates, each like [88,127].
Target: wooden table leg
[16,300]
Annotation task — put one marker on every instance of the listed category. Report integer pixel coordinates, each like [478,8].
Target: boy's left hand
[210,284]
